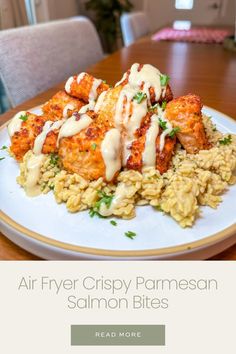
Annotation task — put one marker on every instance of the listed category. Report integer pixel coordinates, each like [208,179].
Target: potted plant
[107,20]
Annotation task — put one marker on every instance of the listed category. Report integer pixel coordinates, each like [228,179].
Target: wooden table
[207,70]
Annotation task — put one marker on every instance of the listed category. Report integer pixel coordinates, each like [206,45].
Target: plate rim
[190,246]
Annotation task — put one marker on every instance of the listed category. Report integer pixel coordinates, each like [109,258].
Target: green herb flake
[214,129]
[164,79]
[54,159]
[104,81]
[226,140]
[140,96]
[163,105]
[104,199]
[24,117]
[158,207]
[153,108]
[113,222]
[4,147]
[162,124]
[173,132]
[130,234]
[2,158]
[93,146]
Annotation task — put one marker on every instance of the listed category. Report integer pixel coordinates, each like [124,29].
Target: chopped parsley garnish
[173,132]
[226,140]
[214,128]
[164,79]
[130,234]
[113,222]
[140,96]
[158,207]
[104,81]
[54,159]
[163,105]
[162,124]
[2,158]
[93,213]
[104,199]
[93,146]
[152,108]
[24,117]
[4,147]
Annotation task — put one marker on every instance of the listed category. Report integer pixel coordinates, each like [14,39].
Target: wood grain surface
[207,70]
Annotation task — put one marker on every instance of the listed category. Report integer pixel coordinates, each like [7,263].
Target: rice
[192,181]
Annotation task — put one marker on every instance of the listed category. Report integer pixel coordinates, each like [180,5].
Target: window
[184,4]
[182,25]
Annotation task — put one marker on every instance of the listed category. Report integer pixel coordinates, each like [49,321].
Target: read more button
[118,335]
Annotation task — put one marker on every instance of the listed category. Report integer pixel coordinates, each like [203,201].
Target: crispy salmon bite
[185,113]
[85,87]
[62,105]
[28,127]
[86,154]
[163,156]
[156,87]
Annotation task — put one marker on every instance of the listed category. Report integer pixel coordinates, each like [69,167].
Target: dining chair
[133,26]
[35,58]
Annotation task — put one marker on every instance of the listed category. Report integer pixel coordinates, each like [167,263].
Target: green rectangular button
[117,335]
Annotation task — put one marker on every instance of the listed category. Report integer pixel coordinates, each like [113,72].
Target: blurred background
[106,14]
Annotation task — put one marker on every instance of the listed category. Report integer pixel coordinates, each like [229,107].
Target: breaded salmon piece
[185,112]
[166,94]
[106,106]
[81,153]
[61,105]
[163,157]
[23,140]
[85,87]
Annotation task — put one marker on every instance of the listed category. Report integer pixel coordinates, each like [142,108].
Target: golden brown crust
[23,141]
[82,89]
[55,106]
[185,112]
[163,157]
[81,153]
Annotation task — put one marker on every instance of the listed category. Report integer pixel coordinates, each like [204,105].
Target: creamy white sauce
[87,107]
[149,76]
[68,84]
[111,152]
[131,125]
[68,107]
[40,139]
[80,77]
[15,124]
[162,116]
[100,101]
[72,126]
[93,92]
[120,195]
[33,166]
[149,153]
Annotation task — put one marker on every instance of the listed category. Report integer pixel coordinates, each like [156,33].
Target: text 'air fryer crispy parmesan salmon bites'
[109,149]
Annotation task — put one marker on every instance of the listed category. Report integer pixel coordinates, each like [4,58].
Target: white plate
[46,229]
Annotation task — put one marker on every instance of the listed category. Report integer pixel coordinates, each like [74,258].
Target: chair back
[35,58]
[133,26]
